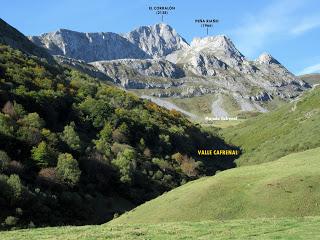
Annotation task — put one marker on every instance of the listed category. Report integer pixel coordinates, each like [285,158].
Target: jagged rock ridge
[89,46]
[142,43]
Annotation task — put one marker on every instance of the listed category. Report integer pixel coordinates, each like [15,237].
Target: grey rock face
[88,46]
[133,73]
[148,67]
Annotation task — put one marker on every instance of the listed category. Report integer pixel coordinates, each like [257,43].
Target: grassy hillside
[284,228]
[292,128]
[287,187]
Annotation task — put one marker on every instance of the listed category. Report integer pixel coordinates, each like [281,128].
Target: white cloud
[306,25]
[279,19]
[311,69]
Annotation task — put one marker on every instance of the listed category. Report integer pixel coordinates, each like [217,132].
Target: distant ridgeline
[75,150]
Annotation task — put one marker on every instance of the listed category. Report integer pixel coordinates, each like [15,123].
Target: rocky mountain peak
[221,46]
[158,40]
[219,40]
[266,58]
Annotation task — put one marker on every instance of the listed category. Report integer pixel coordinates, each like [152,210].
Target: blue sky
[287,29]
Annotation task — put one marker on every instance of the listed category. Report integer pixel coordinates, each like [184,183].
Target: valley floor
[277,228]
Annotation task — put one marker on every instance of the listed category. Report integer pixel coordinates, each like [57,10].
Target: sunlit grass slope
[292,128]
[284,228]
[288,187]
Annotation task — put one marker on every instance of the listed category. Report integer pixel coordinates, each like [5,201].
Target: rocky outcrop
[149,73]
[266,58]
[149,67]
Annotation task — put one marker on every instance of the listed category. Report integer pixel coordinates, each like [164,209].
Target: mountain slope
[287,187]
[12,37]
[312,79]
[75,150]
[208,66]
[292,128]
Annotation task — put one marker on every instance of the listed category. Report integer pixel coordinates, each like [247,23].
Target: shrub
[68,169]
[158,175]
[11,221]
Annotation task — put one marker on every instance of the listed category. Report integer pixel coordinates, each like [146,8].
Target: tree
[126,163]
[103,143]
[15,187]
[106,132]
[142,145]
[33,120]
[4,160]
[178,157]
[68,169]
[8,109]
[121,133]
[165,142]
[6,125]
[42,155]
[71,137]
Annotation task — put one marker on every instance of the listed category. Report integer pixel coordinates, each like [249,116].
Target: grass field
[288,187]
[222,123]
[292,128]
[284,228]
